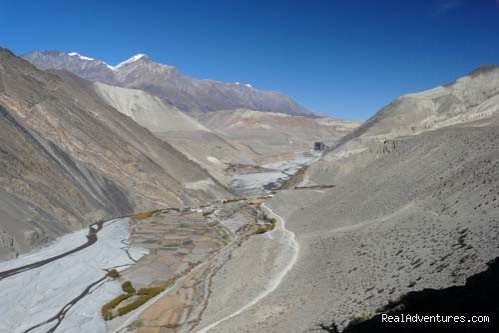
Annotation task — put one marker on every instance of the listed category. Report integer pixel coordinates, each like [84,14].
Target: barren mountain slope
[188,94]
[269,133]
[424,215]
[198,143]
[407,212]
[472,100]
[68,159]
[147,110]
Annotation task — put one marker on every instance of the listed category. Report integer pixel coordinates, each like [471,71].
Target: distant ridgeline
[478,297]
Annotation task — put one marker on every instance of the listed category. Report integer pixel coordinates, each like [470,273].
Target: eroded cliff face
[68,159]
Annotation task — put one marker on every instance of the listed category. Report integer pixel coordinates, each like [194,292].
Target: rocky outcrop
[383,146]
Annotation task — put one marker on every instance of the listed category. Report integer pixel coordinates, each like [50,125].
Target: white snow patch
[82,57]
[243,84]
[132,59]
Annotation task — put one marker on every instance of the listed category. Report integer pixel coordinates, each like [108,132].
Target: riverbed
[273,177]
[55,296]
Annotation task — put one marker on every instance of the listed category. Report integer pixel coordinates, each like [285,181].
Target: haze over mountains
[188,94]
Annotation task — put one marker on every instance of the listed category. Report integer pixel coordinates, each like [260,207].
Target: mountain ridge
[196,96]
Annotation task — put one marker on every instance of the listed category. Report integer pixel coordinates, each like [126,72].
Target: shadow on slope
[478,297]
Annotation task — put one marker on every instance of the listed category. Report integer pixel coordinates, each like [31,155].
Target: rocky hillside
[67,158]
[210,150]
[424,215]
[147,110]
[188,94]
[413,204]
[470,101]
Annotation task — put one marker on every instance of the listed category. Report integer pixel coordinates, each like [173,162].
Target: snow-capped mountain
[188,94]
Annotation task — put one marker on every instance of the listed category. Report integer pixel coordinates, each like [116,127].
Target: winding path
[288,236]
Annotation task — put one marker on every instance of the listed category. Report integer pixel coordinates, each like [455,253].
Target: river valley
[190,254]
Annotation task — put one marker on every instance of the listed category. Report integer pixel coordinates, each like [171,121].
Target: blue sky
[344,58]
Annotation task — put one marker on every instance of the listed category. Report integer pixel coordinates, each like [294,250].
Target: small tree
[114,274]
[128,287]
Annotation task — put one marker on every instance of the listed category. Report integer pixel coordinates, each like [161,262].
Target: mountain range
[185,111]
[168,83]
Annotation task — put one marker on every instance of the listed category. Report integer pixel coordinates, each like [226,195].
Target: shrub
[127,287]
[134,305]
[273,223]
[145,215]
[106,308]
[114,274]
[150,291]
[261,230]
[225,201]
[145,294]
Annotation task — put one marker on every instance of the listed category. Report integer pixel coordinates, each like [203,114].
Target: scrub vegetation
[115,307]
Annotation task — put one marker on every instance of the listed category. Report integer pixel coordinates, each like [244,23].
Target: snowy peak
[195,96]
[133,59]
[243,84]
[76,54]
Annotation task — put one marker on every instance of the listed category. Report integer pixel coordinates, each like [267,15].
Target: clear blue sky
[344,58]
